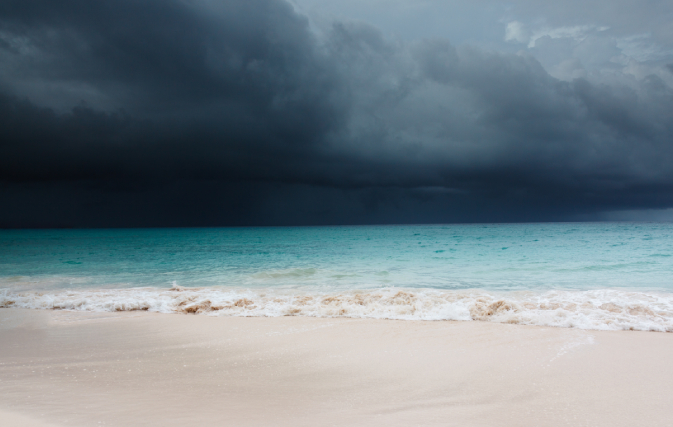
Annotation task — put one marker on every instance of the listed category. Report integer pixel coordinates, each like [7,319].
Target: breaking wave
[596,309]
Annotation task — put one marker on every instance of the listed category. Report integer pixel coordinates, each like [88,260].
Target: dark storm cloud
[234,112]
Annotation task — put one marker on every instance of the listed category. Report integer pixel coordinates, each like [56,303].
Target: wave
[605,309]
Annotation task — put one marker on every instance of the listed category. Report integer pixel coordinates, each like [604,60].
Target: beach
[307,213]
[65,368]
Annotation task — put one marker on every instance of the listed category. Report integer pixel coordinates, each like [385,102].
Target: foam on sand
[598,309]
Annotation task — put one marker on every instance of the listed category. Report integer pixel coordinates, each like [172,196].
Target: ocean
[609,276]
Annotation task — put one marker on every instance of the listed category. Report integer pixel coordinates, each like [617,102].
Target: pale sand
[145,369]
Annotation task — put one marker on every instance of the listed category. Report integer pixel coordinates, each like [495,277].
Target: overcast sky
[275,112]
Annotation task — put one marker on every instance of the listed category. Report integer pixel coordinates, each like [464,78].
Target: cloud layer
[126,113]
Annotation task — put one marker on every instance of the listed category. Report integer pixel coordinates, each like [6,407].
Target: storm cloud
[207,113]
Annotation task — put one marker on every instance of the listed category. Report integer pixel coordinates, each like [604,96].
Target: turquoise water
[518,262]
[511,257]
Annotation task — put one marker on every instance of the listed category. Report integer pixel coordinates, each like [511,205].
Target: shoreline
[598,309]
[62,368]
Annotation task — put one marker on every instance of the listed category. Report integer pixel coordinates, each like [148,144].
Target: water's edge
[607,309]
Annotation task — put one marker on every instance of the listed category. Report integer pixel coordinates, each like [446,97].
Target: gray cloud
[236,112]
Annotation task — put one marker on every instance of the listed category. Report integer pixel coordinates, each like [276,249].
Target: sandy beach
[61,368]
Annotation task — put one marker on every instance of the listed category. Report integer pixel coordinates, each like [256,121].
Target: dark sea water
[585,275]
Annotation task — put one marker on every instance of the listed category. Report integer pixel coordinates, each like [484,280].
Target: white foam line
[598,309]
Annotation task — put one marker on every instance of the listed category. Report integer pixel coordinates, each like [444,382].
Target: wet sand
[60,368]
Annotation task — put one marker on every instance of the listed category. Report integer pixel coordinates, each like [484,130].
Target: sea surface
[584,275]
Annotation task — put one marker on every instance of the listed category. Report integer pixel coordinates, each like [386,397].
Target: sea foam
[605,309]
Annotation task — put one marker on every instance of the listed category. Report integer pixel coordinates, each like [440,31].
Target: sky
[137,113]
